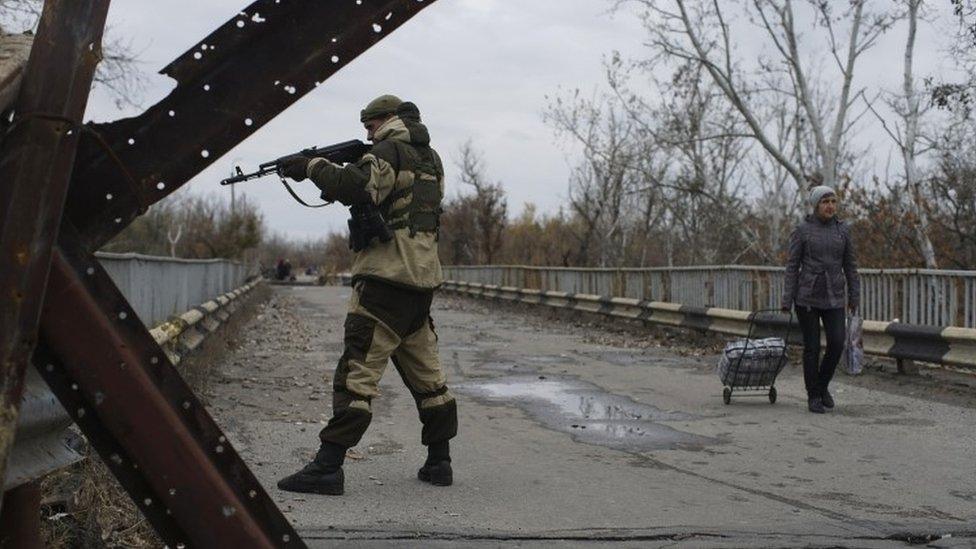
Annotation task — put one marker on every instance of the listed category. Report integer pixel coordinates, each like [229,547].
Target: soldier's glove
[294,167]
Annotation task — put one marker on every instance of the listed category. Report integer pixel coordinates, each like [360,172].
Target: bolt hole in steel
[377,28]
[248,122]
[240,24]
[90,271]
[74,386]
[160,185]
[335,58]
[206,87]
[172,491]
[108,196]
[197,55]
[172,113]
[205,153]
[229,510]
[252,494]
[118,220]
[286,538]
[257,18]
[123,315]
[186,404]
[81,412]
[49,367]
[132,141]
[153,360]
[219,449]
[147,501]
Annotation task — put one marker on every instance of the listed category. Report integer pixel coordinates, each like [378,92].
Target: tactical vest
[422,210]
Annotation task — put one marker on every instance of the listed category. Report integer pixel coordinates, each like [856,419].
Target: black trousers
[816,373]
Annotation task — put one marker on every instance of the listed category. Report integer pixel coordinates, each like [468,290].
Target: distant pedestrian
[821,277]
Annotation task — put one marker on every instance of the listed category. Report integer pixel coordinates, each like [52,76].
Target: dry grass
[84,506]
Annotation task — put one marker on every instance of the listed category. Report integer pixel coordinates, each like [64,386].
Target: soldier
[393,284]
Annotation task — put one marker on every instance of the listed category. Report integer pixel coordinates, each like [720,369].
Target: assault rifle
[365,222]
[340,153]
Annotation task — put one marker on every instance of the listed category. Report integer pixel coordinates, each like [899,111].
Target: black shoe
[438,473]
[828,401]
[816,405]
[315,478]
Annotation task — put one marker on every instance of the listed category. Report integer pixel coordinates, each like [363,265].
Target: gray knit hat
[817,193]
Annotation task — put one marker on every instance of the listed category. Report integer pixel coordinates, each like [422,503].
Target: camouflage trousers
[388,322]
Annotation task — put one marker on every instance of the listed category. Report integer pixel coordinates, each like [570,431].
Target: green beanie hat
[381,106]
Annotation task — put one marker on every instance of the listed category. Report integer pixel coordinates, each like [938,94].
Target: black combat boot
[827,399]
[815,404]
[437,469]
[322,476]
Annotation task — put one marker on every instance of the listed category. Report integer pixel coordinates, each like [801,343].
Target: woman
[821,260]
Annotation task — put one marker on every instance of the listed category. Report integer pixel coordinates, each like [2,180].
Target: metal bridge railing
[159,287]
[914,296]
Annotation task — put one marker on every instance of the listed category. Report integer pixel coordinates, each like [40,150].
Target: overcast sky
[478,69]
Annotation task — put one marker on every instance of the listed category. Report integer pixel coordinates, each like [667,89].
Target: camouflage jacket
[389,176]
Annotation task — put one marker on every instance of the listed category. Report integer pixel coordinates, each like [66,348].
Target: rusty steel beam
[145,422]
[36,159]
[20,523]
[106,369]
[230,84]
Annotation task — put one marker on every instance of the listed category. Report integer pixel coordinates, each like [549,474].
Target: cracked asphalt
[571,435]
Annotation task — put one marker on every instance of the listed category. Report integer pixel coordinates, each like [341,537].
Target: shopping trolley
[753,364]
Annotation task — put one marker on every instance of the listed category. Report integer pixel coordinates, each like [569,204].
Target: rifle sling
[298,198]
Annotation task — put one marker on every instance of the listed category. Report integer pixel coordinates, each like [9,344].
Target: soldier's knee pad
[348,424]
[439,420]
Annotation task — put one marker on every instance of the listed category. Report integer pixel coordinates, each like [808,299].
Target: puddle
[590,414]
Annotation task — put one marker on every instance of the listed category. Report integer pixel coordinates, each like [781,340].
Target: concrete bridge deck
[568,438]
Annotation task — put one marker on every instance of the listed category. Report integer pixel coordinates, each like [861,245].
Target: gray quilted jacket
[821,260]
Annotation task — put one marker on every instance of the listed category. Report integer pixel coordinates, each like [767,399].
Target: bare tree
[173,239]
[679,29]
[490,205]
[907,137]
[118,71]
[604,180]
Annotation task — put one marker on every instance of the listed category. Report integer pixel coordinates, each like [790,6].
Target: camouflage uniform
[393,282]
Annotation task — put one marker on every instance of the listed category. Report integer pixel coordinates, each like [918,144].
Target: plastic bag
[853,358]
